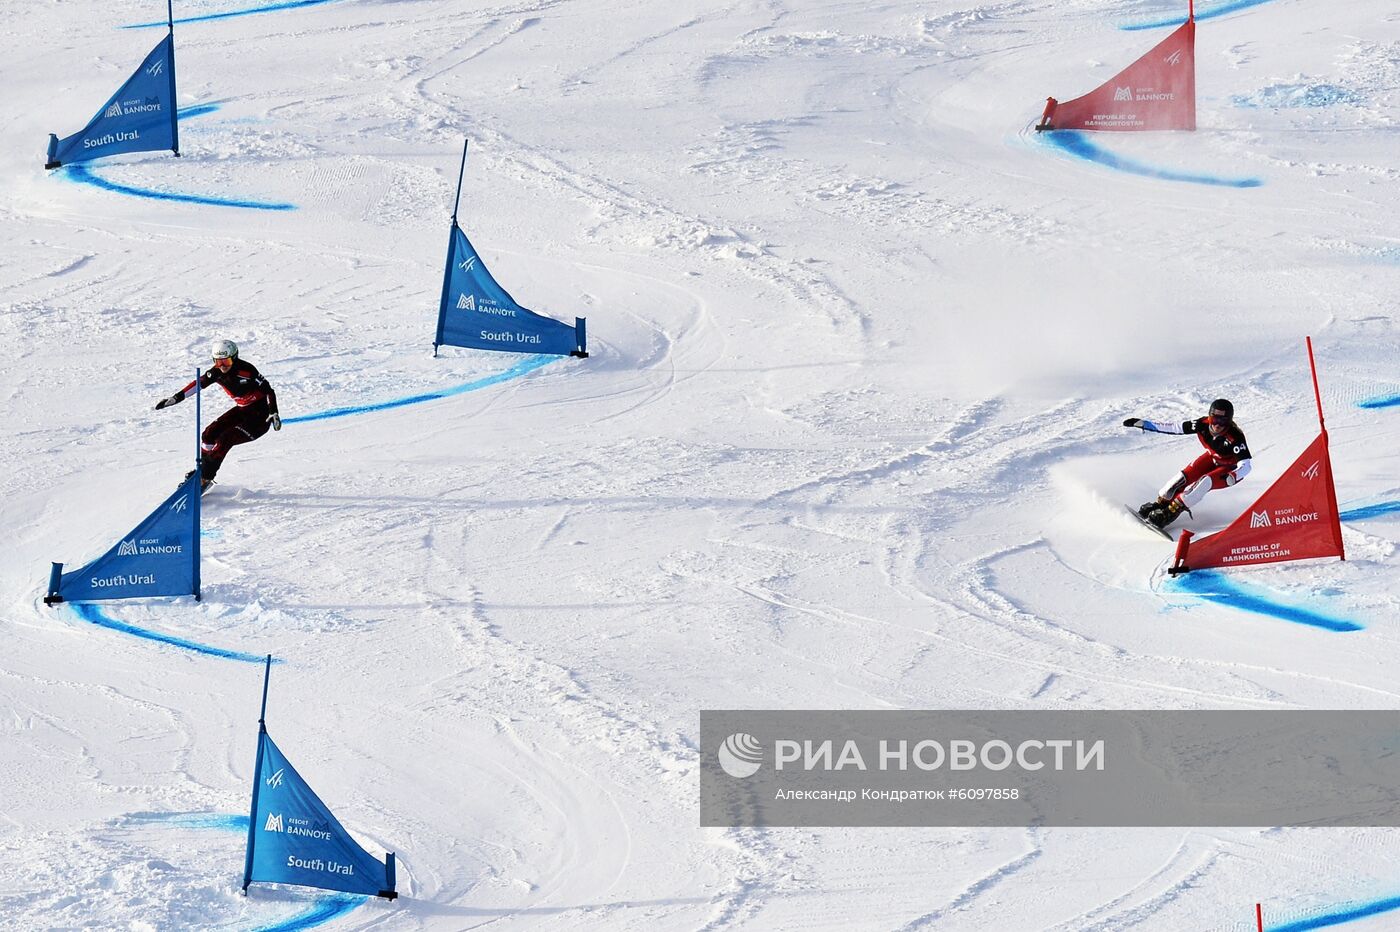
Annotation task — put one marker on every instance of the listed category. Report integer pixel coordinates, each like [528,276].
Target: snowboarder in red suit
[1225,462]
[254,411]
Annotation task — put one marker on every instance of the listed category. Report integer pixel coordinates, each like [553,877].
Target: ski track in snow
[981,886]
[1147,914]
[1296,95]
[558,698]
[1184,869]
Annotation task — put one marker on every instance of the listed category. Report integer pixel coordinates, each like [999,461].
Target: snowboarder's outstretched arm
[1223,438]
[1156,427]
[205,381]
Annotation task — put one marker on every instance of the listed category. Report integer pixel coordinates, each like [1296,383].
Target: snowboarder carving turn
[1225,462]
[254,411]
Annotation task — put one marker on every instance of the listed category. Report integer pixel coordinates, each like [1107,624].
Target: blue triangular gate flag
[159,557]
[477,312]
[139,117]
[293,838]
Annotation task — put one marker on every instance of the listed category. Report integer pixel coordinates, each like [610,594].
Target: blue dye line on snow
[1377,510]
[1385,401]
[266,8]
[89,611]
[185,113]
[216,820]
[323,911]
[1214,587]
[81,173]
[528,364]
[1176,20]
[1350,914]
[1077,143]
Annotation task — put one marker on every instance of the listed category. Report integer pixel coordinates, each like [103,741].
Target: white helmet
[225,349]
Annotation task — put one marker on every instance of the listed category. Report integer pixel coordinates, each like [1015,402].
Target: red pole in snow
[1317,394]
[1259,915]
[1331,487]
[1183,546]
[1191,14]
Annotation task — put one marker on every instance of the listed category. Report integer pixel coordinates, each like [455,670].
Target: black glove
[172,400]
[275,420]
[1135,422]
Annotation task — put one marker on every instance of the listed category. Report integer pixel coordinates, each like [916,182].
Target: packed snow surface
[849,437]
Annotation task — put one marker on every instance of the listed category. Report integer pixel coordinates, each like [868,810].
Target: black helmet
[1223,406]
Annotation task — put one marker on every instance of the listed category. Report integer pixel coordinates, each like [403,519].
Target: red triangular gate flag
[1158,91]
[1295,519]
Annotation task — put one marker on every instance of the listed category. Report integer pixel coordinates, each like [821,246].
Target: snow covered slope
[849,438]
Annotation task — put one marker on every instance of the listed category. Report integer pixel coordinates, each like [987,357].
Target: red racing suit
[1225,462]
[255,403]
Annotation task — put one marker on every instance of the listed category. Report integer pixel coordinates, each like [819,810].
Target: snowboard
[202,492]
[1148,524]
